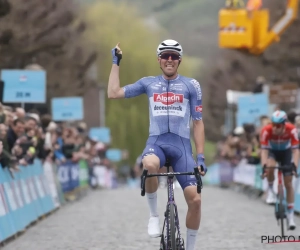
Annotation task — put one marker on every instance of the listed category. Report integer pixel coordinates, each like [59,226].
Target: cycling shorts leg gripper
[284,158]
[185,163]
[271,155]
[152,149]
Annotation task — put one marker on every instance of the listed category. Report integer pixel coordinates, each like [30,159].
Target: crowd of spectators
[25,136]
[243,142]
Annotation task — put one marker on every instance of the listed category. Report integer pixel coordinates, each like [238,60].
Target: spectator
[292,116]
[17,129]
[259,85]
[232,149]
[264,120]
[253,152]
[26,136]
[20,113]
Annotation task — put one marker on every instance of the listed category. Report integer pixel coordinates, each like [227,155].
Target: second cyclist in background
[279,143]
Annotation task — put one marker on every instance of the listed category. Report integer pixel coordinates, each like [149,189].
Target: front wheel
[162,243]
[172,236]
[180,244]
[282,215]
[280,211]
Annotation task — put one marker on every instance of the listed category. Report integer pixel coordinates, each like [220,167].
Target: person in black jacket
[259,85]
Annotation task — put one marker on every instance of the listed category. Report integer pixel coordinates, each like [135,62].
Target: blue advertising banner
[63,177]
[100,134]
[24,86]
[74,175]
[67,108]
[68,176]
[212,176]
[114,154]
[226,172]
[251,107]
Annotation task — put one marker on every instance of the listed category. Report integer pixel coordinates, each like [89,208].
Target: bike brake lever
[143,180]
[198,178]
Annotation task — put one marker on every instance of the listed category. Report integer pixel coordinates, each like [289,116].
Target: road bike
[281,203]
[172,240]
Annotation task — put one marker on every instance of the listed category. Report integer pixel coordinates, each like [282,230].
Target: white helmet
[169,45]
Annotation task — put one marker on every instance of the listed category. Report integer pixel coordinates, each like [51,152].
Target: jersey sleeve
[135,89]
[294,138]
[196,100]
[264,138]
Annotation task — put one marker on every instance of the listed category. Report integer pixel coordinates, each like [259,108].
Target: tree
[4,8]
[47,33]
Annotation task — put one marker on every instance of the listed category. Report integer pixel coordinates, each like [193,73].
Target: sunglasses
[166,56]
[277,125]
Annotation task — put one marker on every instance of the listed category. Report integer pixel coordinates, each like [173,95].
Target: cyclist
[173,100]
[279,142]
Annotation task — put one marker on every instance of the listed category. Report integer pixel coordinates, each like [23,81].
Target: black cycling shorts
[283,157]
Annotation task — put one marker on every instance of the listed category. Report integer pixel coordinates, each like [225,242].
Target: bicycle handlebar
[171,174]
[282,168]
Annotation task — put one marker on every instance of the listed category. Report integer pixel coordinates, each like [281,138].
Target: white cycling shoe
[271,197]
[153,227]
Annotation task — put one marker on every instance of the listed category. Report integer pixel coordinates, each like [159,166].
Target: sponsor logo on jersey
[168,98]
[198,88]
[198,108]
[179,108]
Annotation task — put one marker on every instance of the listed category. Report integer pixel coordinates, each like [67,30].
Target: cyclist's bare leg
[289,189]
[152,163]
[271,198]
[270,172]
[288,182]
[193,200]
[163,170]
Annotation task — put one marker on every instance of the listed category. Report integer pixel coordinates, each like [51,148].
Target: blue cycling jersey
[172,103]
